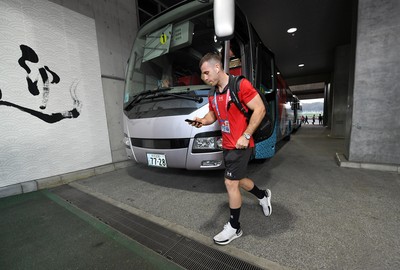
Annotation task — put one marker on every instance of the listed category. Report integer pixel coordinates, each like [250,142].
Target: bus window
[177,67]
[264,72]
[235,63]
[264,80]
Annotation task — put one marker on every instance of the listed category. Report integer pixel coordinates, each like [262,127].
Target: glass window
[178,65]
[264,72]
[170,64]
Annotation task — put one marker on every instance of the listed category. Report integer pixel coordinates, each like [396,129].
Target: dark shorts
[236,161]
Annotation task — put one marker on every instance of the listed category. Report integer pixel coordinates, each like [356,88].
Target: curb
[58,180]
[342,161]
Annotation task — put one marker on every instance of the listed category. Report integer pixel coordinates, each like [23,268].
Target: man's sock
[257,192]
[234,219]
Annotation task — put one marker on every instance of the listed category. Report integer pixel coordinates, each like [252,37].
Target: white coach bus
[164,87]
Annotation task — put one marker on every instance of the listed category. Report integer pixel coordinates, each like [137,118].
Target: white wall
[116,28]
[85,53]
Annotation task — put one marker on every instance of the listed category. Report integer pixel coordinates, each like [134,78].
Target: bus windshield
[167,60]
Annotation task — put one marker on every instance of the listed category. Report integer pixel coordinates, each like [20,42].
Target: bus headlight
[207,144]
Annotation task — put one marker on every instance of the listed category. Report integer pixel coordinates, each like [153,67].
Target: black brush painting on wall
[48,78]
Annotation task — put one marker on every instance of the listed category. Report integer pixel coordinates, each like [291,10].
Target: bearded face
[210,73]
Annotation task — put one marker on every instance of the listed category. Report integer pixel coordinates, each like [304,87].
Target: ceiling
[322,26]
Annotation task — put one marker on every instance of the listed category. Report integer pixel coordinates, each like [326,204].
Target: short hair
[211,57]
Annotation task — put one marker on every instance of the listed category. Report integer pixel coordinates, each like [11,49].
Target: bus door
[265,83]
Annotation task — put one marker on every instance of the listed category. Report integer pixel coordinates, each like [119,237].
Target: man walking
[237,141]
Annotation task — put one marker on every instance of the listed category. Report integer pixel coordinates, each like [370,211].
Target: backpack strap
[211,92]
[234,87]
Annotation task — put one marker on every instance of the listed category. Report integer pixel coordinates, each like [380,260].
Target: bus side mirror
[224,19]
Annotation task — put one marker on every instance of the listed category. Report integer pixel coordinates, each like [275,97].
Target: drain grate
[183,251]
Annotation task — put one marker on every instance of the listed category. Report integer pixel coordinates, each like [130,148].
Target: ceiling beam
[315,78]
[310,95]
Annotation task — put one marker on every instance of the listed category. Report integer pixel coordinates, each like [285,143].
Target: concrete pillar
[340,91]
[353,43]
[327,105]
[375,128]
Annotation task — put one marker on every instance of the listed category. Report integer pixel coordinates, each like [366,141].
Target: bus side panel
[266,148]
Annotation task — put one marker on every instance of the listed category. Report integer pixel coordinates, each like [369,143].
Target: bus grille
[160,143]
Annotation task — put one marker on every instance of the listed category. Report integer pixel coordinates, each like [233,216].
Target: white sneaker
[266,203]
[227,235]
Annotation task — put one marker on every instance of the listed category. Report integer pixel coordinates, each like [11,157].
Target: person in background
[320,119]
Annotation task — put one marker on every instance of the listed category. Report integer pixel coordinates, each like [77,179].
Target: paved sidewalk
[324,216]
[38,230]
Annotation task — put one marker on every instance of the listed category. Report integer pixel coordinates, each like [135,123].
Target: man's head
[211,68]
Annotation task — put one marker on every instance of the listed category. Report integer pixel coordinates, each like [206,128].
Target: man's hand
[196,122]
[242,143]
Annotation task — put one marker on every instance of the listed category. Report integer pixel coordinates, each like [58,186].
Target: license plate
[157,160]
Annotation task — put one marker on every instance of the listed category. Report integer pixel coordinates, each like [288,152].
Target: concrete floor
[324,216]
[39,230]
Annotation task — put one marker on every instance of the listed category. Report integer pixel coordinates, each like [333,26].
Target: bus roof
[173,13]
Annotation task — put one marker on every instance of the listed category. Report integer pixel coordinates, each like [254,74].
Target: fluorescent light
[292,30]
[301,65]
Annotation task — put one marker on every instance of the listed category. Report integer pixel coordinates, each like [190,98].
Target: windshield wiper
[141,95]
[159,93]
[180,95]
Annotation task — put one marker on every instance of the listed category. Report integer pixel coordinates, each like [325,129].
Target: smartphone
[192,121]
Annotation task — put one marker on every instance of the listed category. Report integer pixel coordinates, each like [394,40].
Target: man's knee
[246,184]
[231,184]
